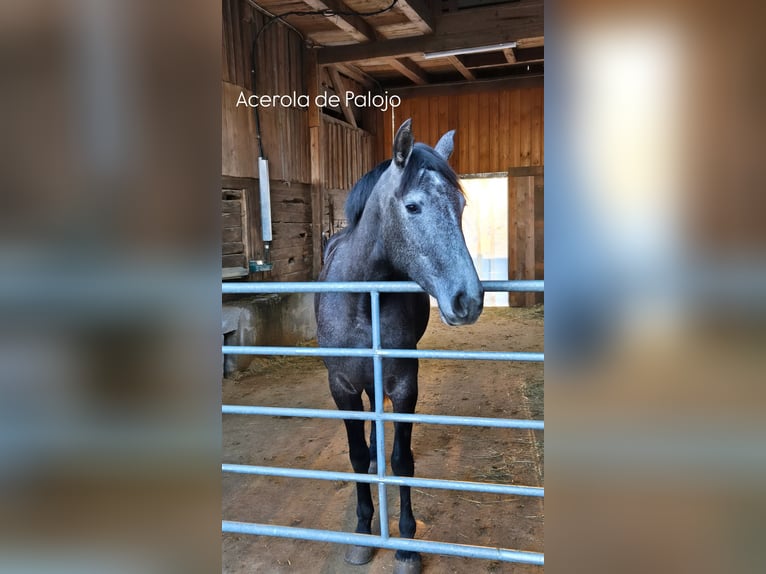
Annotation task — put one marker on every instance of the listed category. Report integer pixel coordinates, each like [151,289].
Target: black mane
[360,193]
[422,157]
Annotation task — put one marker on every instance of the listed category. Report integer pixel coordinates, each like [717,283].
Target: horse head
[422,226]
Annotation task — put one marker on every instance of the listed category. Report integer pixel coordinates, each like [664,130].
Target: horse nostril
[460,304]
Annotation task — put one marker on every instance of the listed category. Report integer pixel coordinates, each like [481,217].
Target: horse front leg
[403,464]
[359,454]
[373,434]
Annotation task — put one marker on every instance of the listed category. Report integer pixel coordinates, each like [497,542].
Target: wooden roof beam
[419,13]
[356,74]
[465,29]
[408,68]
[460,67]
[531,42]
[354,25]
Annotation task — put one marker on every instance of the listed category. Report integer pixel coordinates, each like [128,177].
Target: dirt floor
[471,388]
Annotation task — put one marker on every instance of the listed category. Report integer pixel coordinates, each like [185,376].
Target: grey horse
[404,224]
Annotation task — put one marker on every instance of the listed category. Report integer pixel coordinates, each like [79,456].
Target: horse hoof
[359,554]
[412,566]
[373,468]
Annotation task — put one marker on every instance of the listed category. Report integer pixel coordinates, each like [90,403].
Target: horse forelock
[422,158]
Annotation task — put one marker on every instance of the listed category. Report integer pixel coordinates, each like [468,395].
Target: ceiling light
[462,51]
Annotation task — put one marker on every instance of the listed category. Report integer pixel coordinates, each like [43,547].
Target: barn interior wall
[347,152]
[496,129]
[283,65]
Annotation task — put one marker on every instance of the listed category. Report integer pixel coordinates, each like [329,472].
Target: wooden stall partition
[495,129]
[348,153]
[315,166]
[280,64]
[525,231]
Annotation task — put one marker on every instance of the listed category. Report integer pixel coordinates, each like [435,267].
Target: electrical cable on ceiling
[327,12]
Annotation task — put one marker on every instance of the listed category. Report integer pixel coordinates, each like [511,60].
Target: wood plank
[433,121]
[467,87]
[409,69]
[525,127]
[291,213]
[463,138]
[510,57]
[483,26]
[442,105]
[247,43]
[234,260]
[421,130]
[232,219]
[521,236]
[232,234]
[315,142]
[357,75]
[515,137]
[231,74]
[236,28]
[419,13]
[473,130]
[484,130]
[390,124]
[224,51]
[356,26]
[535,42]
[539,232]
[527,171]
[460,67]
[340,89]
[542,130]
[536,152]
[504,131]
[494,163]
[232,248]
[231,206]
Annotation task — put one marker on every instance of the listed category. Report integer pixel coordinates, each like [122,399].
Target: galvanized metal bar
[365,287]
[380,440]
[379,417]
[441,484]
[414,545]
[387,417]
[385,353]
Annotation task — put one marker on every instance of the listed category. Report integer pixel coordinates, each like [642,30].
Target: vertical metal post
[377,366]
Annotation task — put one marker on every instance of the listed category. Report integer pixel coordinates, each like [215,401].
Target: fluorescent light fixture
[462,51]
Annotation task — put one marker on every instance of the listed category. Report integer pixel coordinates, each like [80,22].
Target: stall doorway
[485,226]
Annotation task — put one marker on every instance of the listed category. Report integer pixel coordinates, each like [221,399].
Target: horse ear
[403,143]
[446,144]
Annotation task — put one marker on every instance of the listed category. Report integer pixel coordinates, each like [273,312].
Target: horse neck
[366,258]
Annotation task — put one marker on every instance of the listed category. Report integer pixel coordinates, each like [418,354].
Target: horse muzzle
[464,307]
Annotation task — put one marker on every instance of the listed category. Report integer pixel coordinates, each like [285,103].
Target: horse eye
[412,208]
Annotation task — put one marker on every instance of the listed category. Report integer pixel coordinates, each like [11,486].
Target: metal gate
[382,479]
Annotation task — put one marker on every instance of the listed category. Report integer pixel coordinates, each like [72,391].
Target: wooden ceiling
[387,48]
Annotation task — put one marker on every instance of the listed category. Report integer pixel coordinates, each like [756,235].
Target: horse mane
[360,193]
[422,157]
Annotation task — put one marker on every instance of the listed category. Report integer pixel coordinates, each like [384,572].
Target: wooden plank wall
[283,66]
[526,234]
[496,130]
[347,155]
[280,70]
